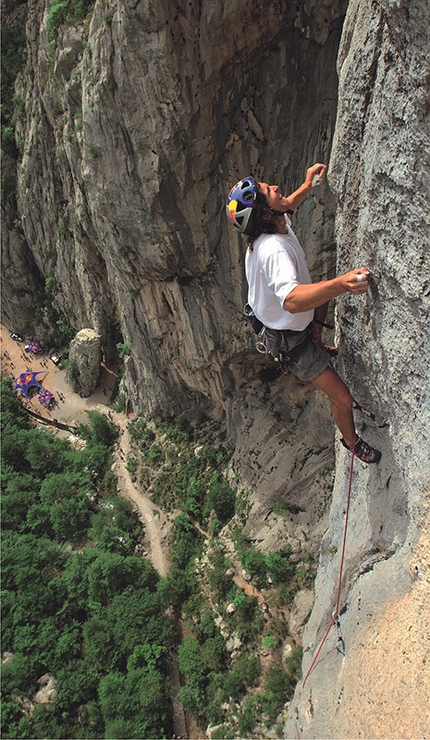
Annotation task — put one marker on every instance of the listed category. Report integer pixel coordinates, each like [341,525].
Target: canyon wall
[371,677]
[132,126]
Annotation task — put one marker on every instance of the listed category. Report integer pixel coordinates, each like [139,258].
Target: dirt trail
[71,409]
[157,523]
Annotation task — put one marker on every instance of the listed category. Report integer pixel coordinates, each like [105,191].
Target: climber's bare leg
[341,402]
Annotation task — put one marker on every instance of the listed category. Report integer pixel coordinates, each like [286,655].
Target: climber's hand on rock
[357,281]
[315,174]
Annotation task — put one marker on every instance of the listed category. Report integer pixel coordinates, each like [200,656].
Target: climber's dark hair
[264,220]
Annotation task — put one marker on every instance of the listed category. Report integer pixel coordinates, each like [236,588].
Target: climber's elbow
[290,303]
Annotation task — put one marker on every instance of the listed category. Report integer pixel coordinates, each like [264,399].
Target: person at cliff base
[282,296]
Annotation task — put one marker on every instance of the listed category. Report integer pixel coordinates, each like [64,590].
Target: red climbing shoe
[363,451]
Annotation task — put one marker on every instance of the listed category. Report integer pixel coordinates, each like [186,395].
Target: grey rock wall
[85,356]
[135,126]
[379,170]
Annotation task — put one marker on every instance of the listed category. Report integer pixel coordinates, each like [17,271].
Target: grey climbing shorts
[311,363]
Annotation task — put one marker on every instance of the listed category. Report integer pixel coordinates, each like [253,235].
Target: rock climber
[282,296]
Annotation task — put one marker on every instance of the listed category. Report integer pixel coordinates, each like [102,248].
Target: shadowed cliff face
[132,129]
[134,126]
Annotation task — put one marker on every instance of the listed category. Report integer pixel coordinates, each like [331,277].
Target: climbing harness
[335,615]
[275,342]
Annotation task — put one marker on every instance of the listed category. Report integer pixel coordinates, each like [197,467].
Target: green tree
[17,674]
[214,653]
[110,574]
[193,695]
[70,519]
[177,586]
[136,619]
[141,697]
[99,644]
[46,723]
[13,413]
[194,501]
[95,458]
[279,566]
[190,657]
[19,491]
[14,449]
[68,496]
[75,583]
[188,541]
[278,686]
[221,498]
[101,429]
[46,454]
[63,11]
[244,673]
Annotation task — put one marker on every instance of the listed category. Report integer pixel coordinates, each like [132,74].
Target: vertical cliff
[371,678]
[132,123]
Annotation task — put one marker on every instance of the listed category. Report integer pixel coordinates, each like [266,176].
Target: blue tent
[26,380]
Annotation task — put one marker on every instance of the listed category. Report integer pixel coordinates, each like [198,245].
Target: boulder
[84,368]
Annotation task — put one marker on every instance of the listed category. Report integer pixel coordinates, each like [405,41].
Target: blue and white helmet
[240,202]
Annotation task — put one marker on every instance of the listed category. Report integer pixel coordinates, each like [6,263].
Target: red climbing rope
[339,584]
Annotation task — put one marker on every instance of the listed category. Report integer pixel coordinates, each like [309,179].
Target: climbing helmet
[240,202]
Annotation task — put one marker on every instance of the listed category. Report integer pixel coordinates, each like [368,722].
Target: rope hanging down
[339,584]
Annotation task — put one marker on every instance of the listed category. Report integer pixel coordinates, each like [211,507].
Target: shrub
[270,642]
[62,11]
[279,566]
[245,673]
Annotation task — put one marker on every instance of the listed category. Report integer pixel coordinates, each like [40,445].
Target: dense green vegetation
[180,472]
[79,604]
[185,470]
[76,602]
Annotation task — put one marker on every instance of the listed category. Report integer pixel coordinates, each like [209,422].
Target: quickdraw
[379,420]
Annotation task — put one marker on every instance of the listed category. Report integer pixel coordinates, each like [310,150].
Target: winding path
[156,522]
[70,411]
[157,526]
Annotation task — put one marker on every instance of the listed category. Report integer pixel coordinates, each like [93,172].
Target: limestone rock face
[379,169]
[135,128]
[84,368]
[48,690]
[301,608]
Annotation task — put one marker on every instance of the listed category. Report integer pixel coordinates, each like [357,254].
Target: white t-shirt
[276,265]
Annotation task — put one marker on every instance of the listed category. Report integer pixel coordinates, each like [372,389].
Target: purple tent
[34,347]
[45,396]
[26,380]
